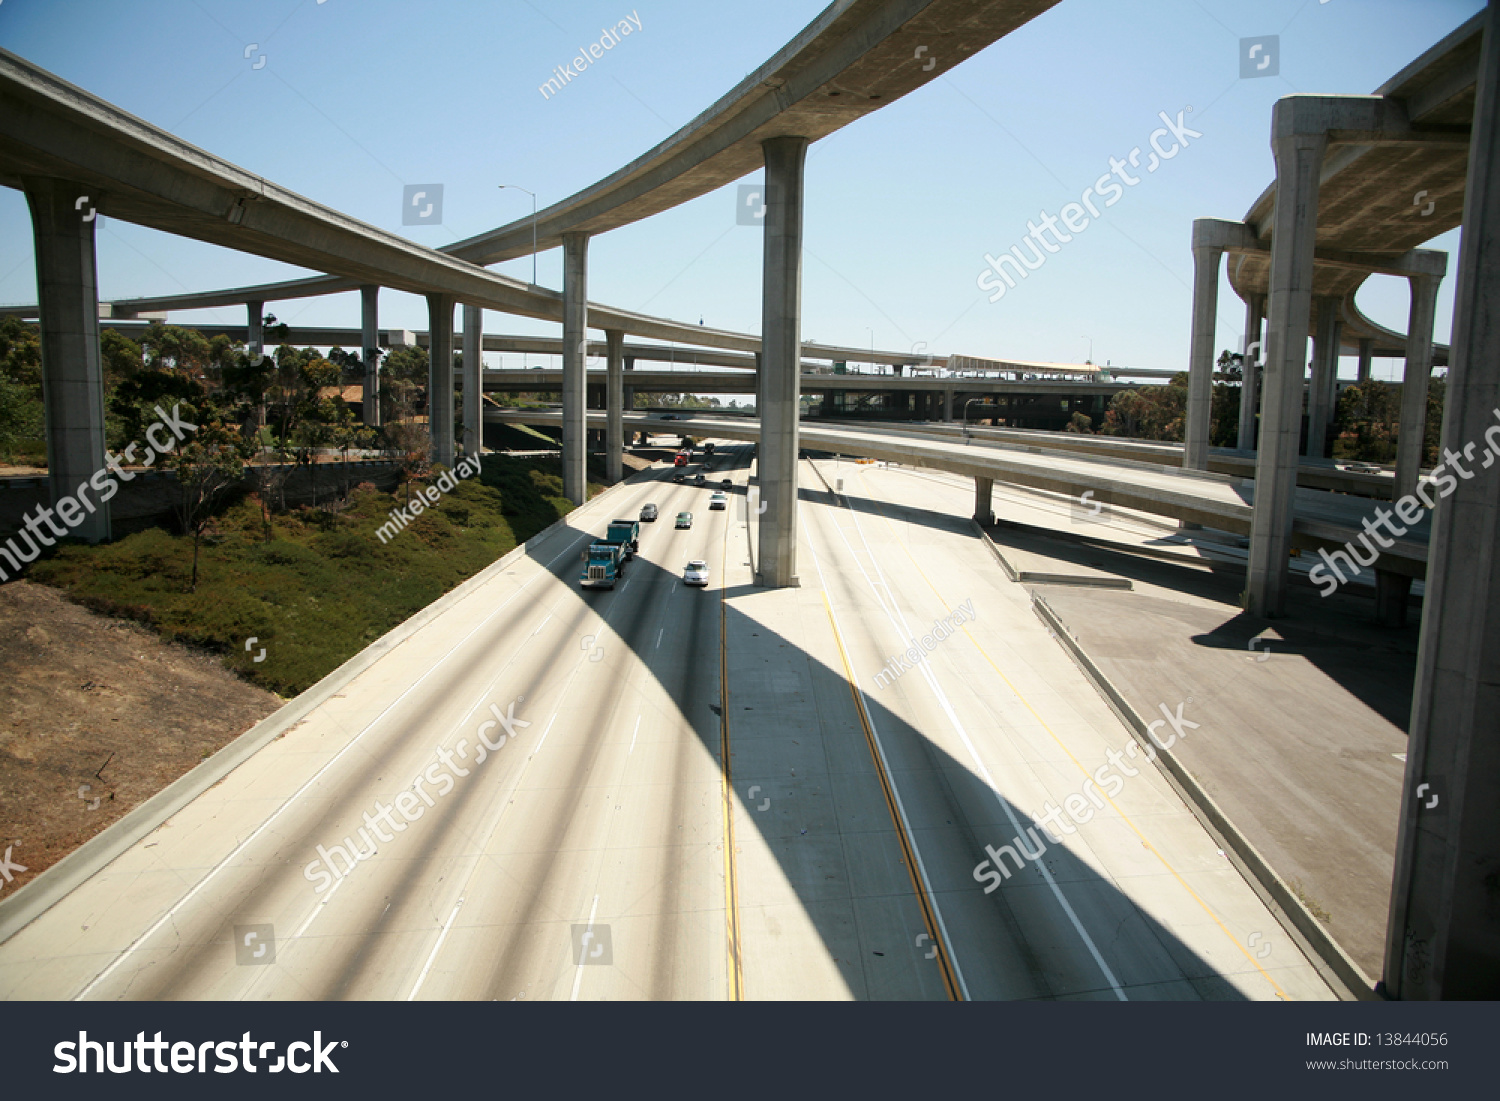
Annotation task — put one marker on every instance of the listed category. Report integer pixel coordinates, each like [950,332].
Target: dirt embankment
[96,716]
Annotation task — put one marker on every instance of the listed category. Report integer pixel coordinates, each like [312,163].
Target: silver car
[696,573]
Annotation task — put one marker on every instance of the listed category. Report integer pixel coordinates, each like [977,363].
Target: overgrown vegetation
[315,586]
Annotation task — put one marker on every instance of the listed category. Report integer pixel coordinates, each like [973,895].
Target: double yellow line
[726,790]
[908,849]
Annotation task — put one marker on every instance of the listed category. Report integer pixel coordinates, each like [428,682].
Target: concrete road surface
[528,798]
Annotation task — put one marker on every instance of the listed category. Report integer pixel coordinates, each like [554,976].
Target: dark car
[700,480]
[648,512]
[727,483]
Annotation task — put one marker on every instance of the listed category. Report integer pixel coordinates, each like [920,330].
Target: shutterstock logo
[141,1054]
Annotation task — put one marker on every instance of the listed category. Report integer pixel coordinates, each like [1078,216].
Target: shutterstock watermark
[400,517]
[898,664]
[1072,214]
[1081,805]
[409,805]
[564,74]
[77,507]
[1409,509]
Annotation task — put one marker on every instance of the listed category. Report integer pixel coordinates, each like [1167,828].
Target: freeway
[607,851]
[1220,501]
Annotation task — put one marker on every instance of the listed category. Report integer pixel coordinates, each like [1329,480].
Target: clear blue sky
[357,98]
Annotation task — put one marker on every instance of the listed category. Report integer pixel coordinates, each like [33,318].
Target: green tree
[207,463]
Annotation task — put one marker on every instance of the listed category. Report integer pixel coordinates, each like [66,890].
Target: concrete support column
[575,350]
[72,368]
[473,379]
[780,364]
[1413,429]
[1201,354]
[628,397]
[948,405]
[1255,310]
[255,328]
[440,376]
[614,405]
[1299,161]
[1443,940]
[255,344]
[1366,352]
[1324,376]
[984,501]
[369,323]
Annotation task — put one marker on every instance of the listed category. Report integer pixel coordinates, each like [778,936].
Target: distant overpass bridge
[1322,519]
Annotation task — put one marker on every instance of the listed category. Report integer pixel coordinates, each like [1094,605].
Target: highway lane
[987,730]
[609,792]
[586,857]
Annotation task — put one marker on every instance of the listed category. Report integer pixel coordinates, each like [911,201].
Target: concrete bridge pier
[627,398]
[1324,376]
[1255,310]
[369,324]
[440,376]
[780,362]
[1366,353]
[984,501]
[575,350]
[473,379]
[1443,938]
[1299,152]
[614,405]
[948,405]
[1415,380]
[1201,350]
[255,328]
[72,368]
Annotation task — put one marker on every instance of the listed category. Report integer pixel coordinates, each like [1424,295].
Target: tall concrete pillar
[1324,376]
[473,379]
[627,398]
[72,368]
[575,351]
[948,405]
[614,405]
[984,500]
[1299,160]
[440,376]
[1414,382]
[1201,353]
[369,323]
[1255,310]
[1366,352]
[1443,939]
[255,328]
[781,358]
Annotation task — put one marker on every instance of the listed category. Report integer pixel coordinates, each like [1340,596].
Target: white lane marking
[435,948]
[578,974]
[543,738]
[916,852]
[658,637]
[894,613]
[540,625]
[318,909]
[243,845]
[633,733]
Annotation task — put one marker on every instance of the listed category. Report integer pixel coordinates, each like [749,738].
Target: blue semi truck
[603,565]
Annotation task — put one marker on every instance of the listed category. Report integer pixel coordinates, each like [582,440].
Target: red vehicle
[682,458]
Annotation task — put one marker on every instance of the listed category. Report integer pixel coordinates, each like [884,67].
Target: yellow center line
[934,930]
[726,789]
[1062,745]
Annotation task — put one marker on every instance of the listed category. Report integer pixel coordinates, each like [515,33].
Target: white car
[718,501]
[696,573]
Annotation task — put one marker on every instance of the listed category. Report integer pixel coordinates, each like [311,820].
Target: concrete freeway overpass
[1323,519]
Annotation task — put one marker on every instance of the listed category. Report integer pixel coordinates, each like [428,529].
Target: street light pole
[513,187]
